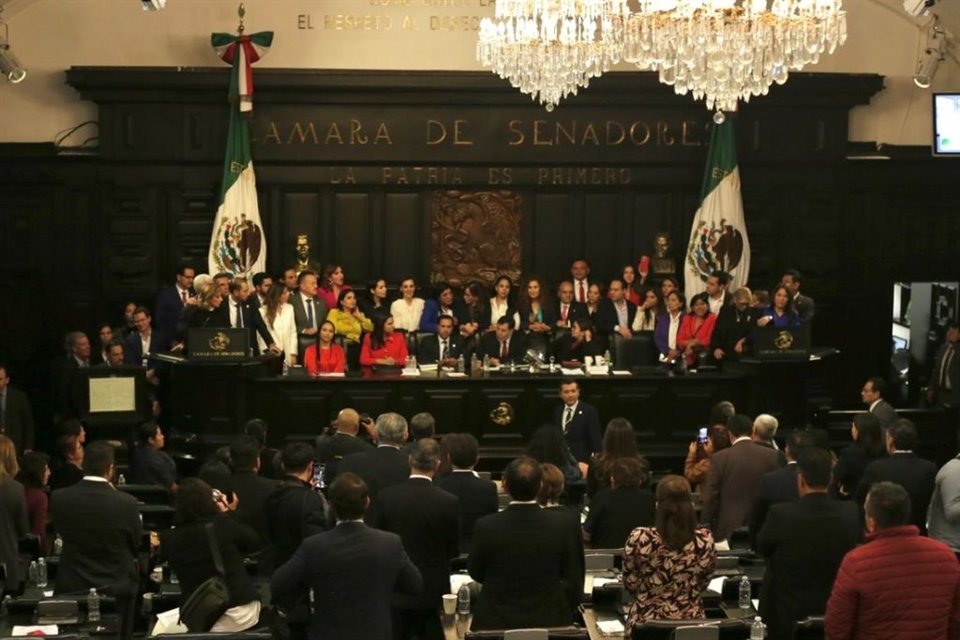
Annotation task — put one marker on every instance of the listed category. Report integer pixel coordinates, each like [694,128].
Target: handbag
[211,599]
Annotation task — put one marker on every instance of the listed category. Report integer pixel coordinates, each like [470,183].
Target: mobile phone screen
[702,436]
[319,481]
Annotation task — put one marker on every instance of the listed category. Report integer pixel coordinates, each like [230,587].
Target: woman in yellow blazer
[347,318]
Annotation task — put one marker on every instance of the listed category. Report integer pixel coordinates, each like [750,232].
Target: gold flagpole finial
[241,12]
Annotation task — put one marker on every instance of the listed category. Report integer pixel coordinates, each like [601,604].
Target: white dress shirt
[407,316]
[498,310]
[674,327]
[716,304]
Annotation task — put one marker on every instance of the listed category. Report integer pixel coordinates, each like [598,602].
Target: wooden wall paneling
[604,232]
[651,215]
[351,231]
[131,252]
[553,244]
[404,227]
[300,209]
[190,214]
[446,405]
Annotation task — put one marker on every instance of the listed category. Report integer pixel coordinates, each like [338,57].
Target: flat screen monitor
[946,124]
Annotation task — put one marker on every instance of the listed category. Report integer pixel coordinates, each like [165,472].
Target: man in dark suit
[478,497]
[569,310]
[427,520]
[115,354]
[734,323]
[716,289]
[261,285]
[352,570]
[733,479]
[444,348]
[504,344]
[252,491]
[170,304]
[804,543]
[944,388]
[66,374]
[805,305]
[872,394]
[332,449]
[384,466]
[905,468]
[525,559]
[101,531]
[309,310]
[16,418]
[145,340]
[579,421]
[238,314]
[616,314]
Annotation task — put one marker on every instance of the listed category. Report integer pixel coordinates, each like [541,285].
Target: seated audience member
[503,345]
[868,445]
[619,442]
[200,513]
[897,586]
[331,286]
[443,303]
[568,309]
[375,302]
[619,509]
[114,354]
[385,465]
[353,571]
[616,314]
[731,334]
[333,448]
[547,445]
[648,308]
[765,430]
[500,305]
[250,489]
[477,318]
[698,453]
[149,464]
[631,285]
[668,327]
[579,423]
[13,514]
[443,349]
[326,356]
[537,311]
[696,330]
[666,567]
[269,457]
[280,319]
[35,471]
[594,299]
[579,343]
[408,309]
[781,313]
[347,318]
[383,346]
[526,559]
[804,304]
[943,515]
[478,497]
[104,338]
[668,284]
[804,542]
[68,469]
[916,475]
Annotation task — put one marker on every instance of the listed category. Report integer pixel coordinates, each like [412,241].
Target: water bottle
[58,543]
[486,362]
[607,359]
[5,608]
[552,360]
[41,573]
[121,480]
[93,606]
[756,629]
[460,364]
[744,594]
[474,363]
[32,572]
[463,600]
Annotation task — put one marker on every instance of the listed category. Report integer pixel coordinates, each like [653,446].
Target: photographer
[346,438]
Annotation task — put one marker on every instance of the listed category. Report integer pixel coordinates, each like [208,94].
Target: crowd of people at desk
[377,547]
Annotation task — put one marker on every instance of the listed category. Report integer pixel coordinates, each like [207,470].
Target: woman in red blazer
[326,356]
[383,345]
[696,329]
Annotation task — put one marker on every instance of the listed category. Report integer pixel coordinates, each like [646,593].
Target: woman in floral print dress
[667,567]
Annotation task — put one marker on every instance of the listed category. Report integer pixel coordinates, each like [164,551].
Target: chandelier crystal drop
[549,49]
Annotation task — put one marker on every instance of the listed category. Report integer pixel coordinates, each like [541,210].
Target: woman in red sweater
[325,356]
[384,345]
[696,329]
[35,470]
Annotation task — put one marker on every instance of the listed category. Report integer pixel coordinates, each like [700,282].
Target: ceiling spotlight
[933,54]
[918,8]
[153,5]
[9,65]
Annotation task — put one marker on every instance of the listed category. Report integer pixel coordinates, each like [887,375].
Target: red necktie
[503,350]
[582,294]
[563,314]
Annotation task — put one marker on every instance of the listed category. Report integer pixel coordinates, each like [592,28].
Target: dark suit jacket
[951,397]
[253,490]
[527,561]
[607,317]
[731,484]
[354,571]
[17,421]
[775,487]
[427,520]
[101,531]
[294,511]
[805,308]
[911,472]
[429,351]
[253,320]
[331,450]
[885,413]
[133,348]
[431,314]
[583,433]
[380,468]
[166,314]
[300,311]
[731,326]
[13,526]
[565,349]
[490,346]
[478,498]
[577,311]
[804,543]
[614,513]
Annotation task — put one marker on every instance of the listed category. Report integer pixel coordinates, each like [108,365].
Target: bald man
[331,449]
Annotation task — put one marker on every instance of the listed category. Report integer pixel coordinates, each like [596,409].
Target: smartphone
[318,481]
[217,496]
[702,436]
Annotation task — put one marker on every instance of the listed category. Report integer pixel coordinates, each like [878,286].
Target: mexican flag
[718,238]
[237,244]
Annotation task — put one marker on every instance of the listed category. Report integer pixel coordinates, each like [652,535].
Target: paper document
[716,584]
[113,394]
[45,629]
[610,627]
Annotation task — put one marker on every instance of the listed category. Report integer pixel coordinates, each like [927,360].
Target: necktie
[504,352]
[239,317]
[945,369]
[183,297]
[444,351]
[581,294]
[563,312]
[567,416]
[310,312]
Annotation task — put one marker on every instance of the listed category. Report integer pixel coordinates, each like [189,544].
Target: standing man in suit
[733,479]
[579,421]
[443,349]
[872,395]
[944,387]
[309,310]
[238,314]
[16,418]
[717,298]
[384,466]
[804,542]
[261,285]
[427,520]
[570,310]
[780,485]
[580,271]
[504,344]
[478,497]
[525,559]
[904,467]
[291,279]
[145,341]
[332,449]
[252,491]
[101,531]
[804,304]
[67,374]
[170,304]
[616,314]
[353,570]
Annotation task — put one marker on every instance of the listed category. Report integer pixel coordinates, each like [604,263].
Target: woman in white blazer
[278,315]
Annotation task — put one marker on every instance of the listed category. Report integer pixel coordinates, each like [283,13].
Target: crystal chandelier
[551,48]
[729,50]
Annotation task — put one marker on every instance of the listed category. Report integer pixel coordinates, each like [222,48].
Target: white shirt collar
[420,476]
[874,403]
[572,407]
[96,479]
[523,502]
[475,474]
[340,522]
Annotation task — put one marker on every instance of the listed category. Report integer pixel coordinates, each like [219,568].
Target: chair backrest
[303,342]
[810,628]
[728,629]
[571,632]
[541,343]
[351,351]
[412,342]
[599,561]
[699,632]
[418,340]
[525,634]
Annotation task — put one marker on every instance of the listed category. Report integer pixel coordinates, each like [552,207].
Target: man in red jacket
[898,586]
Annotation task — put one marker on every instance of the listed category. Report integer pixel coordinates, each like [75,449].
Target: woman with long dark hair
[547,445]
[326,356]
[278,315]
[697,464]
[781,312]
[667,567]
[35,473]
[384,345]
[500,304]
[868,445]
[578,343]
[620,507]
[375,302]
[408,309]
[631,284]
[477,314]
[535,306]
[331,285]
[13,512]
[619,441]
[649,307]
[347,318]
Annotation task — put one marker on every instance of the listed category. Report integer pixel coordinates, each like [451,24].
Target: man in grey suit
[944,388]
[733,479]
[309,311]
[872,395]
[16,419]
